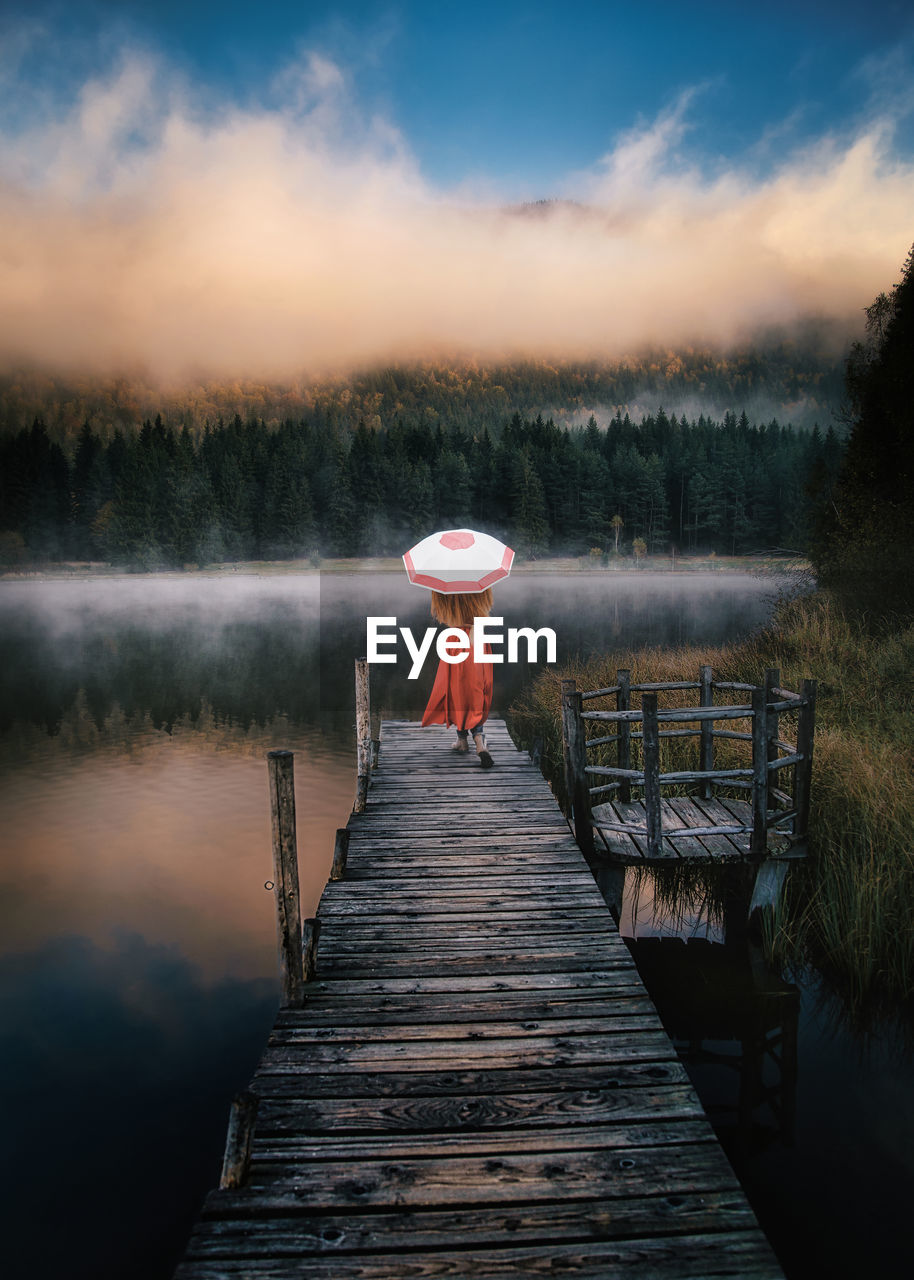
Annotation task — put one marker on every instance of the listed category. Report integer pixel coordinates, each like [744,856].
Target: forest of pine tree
[240,490]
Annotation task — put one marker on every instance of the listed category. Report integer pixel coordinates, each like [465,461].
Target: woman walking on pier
[459,567]
[462,692]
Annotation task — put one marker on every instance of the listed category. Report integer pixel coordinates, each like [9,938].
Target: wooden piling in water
[362,734]
[311,931]
[285,877]
[340,853]
[237,1159]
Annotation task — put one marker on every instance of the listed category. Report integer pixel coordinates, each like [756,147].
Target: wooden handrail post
[806,729]
[340,853]
[285,877]
[362,734]
[651,744]
[574,750]
[568,686]
[311,932]
[706,740]
[624,745]
[758,845]
[237,1159]
[772,682]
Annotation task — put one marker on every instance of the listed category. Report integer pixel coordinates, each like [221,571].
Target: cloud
[145,222]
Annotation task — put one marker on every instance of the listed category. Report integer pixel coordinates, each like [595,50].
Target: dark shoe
[484,758]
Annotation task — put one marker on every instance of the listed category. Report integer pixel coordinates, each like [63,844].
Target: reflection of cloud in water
[121,1062]
[171,841]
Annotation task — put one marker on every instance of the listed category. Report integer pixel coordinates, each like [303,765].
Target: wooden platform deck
[478,1085]
[686,813]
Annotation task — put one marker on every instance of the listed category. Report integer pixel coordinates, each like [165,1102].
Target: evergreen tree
[419,499]
[530,523]
[863,543]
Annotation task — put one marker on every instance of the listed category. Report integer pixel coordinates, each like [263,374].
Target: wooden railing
[776,800]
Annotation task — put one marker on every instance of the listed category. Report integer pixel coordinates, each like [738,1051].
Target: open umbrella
[458,560]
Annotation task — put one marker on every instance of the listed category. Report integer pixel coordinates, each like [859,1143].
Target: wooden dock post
[706,740]
[575,754]
[772,682]
[651,743]
[285,876]
[311,932]
[758,846]
[806,727]
[624,745]
[237,1159]
[340,853]
[362,734]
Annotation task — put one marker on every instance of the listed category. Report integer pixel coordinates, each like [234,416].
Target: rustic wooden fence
[777,778]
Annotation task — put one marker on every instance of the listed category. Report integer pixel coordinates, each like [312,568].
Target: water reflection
[732,1018]
[818,1125]
[111,1057]
[138,966]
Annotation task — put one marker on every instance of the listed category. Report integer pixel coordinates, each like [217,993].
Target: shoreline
[84,571]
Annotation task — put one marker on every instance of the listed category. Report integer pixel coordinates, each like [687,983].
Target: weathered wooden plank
[396,943]
[743,1254]
[424,1033]
[543,915]
[280,1149]
[623,1169]
[685,846]
[460,876]
[715,812]
[483,1006]
[477,1085]
[719,847]
[455,1054]
[490,962]
[617,960]
[466,1112]
[334,1235]
[416,929]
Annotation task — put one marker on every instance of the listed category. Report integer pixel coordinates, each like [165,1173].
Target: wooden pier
[468,1078]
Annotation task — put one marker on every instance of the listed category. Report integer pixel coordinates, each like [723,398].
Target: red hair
[460,608]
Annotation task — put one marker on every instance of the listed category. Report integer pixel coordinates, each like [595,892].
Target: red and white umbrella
[458,560]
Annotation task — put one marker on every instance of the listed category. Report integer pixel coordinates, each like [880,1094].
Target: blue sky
[523,95]
[238,188]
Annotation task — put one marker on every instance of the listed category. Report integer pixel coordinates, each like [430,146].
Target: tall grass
[850,911]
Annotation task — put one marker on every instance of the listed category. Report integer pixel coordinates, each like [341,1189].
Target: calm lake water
[137,942]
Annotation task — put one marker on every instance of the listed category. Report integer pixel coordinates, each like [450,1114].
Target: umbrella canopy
[458,560]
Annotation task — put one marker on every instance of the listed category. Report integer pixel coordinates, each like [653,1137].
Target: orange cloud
[146,225]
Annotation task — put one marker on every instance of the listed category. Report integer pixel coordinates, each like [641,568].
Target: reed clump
[848,911]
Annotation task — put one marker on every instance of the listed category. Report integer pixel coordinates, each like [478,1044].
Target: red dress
[462,693]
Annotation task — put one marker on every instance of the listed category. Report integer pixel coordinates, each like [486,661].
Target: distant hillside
[797,381]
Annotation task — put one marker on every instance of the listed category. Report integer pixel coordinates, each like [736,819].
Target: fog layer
[143,222]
